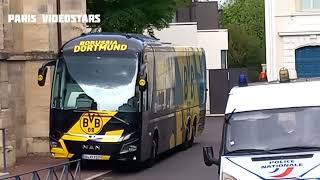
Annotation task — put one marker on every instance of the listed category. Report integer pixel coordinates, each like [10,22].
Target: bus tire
[154,152]
[185,144]
[193,132]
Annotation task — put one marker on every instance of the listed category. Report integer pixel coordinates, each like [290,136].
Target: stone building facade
[292,38]
[24,47]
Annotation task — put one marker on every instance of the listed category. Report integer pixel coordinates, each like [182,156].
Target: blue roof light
[243,81]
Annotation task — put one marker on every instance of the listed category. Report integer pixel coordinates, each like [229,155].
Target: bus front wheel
[154,152]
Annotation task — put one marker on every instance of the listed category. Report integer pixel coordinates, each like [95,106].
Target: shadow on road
[127,168]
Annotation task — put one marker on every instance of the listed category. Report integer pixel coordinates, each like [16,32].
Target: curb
[215,115]
[4,175]
[97,175]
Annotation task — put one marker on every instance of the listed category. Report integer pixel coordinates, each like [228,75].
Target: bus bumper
[121,151]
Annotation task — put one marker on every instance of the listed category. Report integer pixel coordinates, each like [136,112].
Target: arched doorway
[308,61]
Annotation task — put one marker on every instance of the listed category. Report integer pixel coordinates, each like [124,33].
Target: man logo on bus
[91,123]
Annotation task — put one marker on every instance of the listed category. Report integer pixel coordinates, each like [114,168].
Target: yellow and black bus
[124,97]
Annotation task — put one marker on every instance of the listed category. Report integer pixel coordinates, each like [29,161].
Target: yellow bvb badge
[142,82]
[40,78]
[91,123]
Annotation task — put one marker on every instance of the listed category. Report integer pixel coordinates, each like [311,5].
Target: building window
[310,5]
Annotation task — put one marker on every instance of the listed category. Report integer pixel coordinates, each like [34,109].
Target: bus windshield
[96,82]
[274,129]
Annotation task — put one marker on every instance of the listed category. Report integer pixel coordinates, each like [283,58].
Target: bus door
[146,99]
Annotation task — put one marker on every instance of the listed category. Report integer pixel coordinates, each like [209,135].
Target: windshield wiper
[296,148]
[125,122]
[248,151]
[227,119]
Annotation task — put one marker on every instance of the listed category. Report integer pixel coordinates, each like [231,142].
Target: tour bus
[271,131]
[124,97]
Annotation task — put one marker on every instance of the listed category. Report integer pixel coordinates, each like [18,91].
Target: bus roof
[274,96]
[135,42]
[103,42]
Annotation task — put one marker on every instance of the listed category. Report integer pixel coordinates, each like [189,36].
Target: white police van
[271,131]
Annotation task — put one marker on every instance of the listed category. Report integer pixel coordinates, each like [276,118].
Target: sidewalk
[32,163]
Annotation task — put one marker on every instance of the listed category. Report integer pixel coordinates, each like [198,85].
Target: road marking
[97,175]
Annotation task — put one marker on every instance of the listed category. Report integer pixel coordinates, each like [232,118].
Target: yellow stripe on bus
[61,152]
[112,136]
[74,138]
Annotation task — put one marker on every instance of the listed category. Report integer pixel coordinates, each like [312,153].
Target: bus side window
[145,94]
[149,59]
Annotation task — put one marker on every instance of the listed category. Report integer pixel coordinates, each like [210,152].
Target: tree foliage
[134,15]
[248,14]
[244,49]
[245,21]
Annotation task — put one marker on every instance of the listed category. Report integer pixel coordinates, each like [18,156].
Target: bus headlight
[226,176]
[129,147]
[126,137]
[55,144]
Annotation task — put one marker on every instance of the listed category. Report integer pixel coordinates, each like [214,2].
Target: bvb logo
[91,123]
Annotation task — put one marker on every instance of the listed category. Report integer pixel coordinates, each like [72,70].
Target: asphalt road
[184,165]
[176,164]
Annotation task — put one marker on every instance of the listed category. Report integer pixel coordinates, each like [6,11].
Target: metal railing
[52,172]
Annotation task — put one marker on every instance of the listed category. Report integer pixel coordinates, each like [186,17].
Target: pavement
[175,164]
[32,163]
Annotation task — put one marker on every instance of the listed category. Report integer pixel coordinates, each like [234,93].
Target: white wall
[179,34]
[186,34]
[213,41]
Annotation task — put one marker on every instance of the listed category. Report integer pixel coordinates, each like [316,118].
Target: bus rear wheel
[193,132]
[185,144]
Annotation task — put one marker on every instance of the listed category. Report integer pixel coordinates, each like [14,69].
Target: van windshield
[274,129]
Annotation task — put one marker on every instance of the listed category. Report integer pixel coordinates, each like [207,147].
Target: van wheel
[154,152]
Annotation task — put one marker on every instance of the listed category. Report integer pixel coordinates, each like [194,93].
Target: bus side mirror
[42,72]
[208,156]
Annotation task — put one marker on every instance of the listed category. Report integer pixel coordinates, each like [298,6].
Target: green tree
[133,15]
[245,21]
[248,14]
[245,51]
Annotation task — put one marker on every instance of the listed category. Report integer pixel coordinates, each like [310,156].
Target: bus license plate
[91,157]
